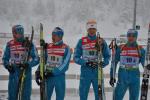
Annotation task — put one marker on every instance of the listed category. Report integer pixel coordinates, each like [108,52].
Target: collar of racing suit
[59,42]
[134,44]
[19,41]
[92,37]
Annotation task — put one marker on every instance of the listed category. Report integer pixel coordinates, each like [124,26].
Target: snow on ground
[3,96]
[70,83]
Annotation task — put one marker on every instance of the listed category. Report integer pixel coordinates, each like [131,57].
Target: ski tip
[32,29]
[41,25]
[98,34]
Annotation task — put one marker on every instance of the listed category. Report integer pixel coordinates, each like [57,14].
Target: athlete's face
[92,31]
[131,38]
[17,35]
[56,38]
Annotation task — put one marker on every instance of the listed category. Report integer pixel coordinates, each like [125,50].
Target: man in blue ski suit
[86,55]
[58,56]
[13,61]
[130,56]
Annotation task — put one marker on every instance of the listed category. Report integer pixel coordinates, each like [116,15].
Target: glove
[112,82]
[10,68]
[148,66]
[38,77]
[104,63]
[26,42]
[42,43]
[99,42]
[91,64]
[48,74]
[112,45]
[24,66]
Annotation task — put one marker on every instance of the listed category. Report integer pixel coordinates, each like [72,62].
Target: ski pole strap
[113,44]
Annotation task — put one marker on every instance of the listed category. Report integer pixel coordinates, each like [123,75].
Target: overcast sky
[114,17]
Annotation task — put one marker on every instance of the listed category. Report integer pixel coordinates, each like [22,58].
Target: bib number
[132,61]
[17,57]
[89,55]
[54,61]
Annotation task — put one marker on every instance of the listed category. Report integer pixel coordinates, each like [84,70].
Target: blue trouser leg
[122,85]
[12,87]
[50,88]
[120,91]
[134,91]
[60,88]
[27,88]
[95,87]
[134,86]
[128,79]
[57,82]
[84,88]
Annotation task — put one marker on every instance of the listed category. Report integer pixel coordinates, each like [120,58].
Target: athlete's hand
[92,64]
[112,82]
[38,77]
[10,68]
[48,74]
[24,66]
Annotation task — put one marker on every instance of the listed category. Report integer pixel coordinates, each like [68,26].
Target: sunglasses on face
[18,31]
[131,35]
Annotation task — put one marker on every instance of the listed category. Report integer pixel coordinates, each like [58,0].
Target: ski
[146,74]
[113,46]
[28,46]
[43,94]
[101,93]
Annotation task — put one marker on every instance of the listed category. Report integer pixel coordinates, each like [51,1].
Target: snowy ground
[70,83]
[3,96]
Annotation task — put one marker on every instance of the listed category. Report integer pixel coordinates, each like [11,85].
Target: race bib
[54,61]
[17,56]
[89,54]
[129,60]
